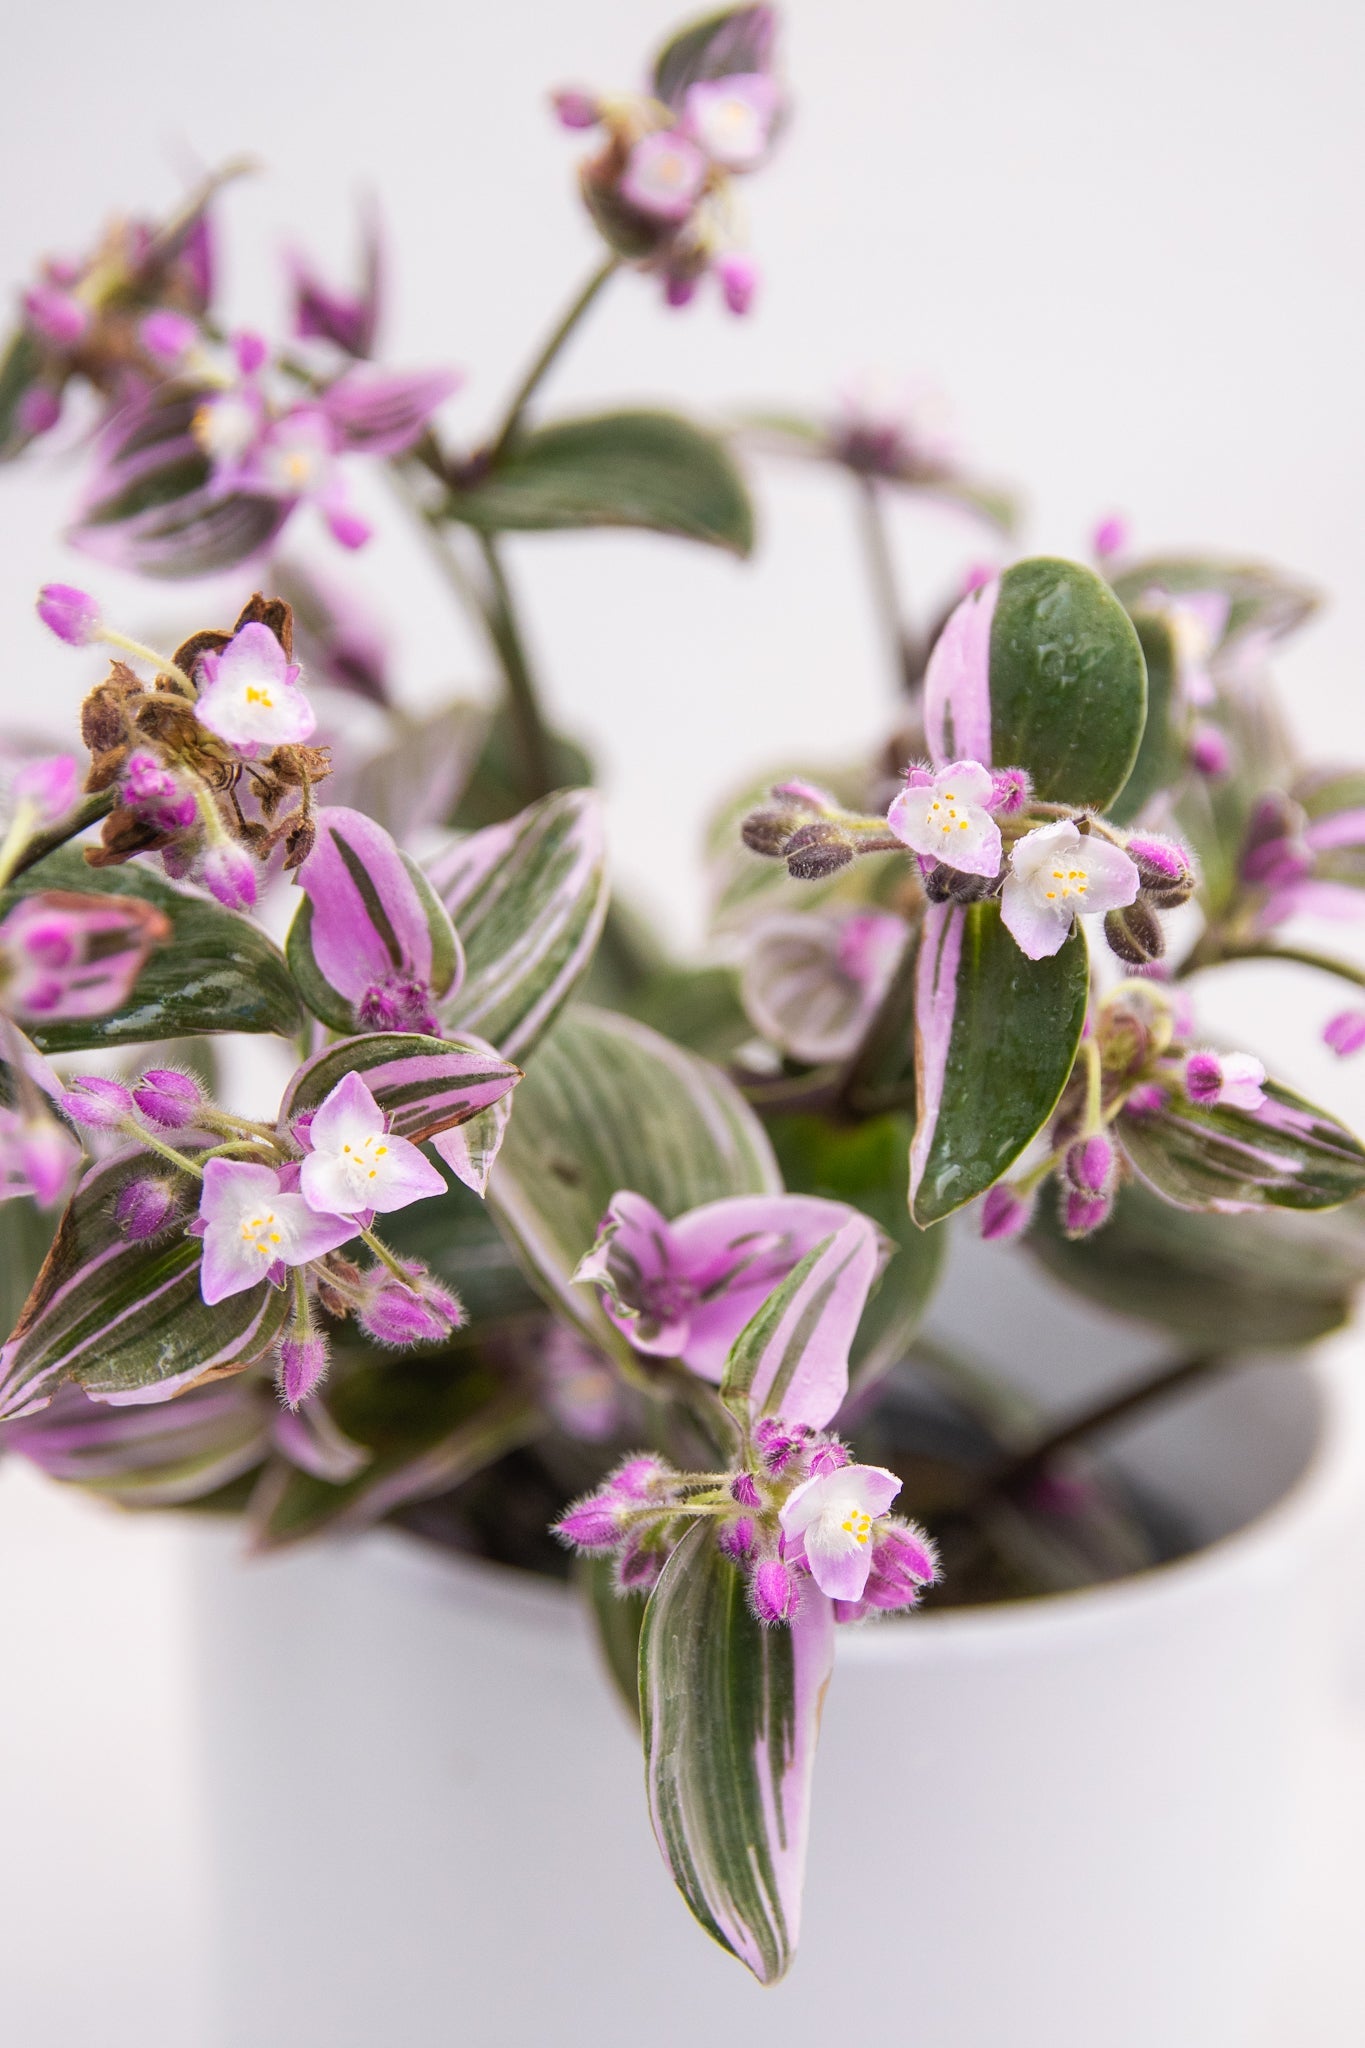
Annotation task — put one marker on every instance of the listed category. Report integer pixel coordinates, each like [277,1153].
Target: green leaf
[730,1714]
[649,469]
[996,1037]
[1260,1281]
[1161,756]
[528,899]
[20,370]
[329,1003]
[219,971]
[791,1357]
[608,1104]
[737,39]
[867,1166]
[121,1317]
[1261,600]
[424,1085]
[155,1455]
[1287,1155]
[1068,692]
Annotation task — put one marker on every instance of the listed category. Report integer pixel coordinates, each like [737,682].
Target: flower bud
[830,1457]
[424,1313]
[168,335]
[250,351]
[680,288]
[743,1490]
[1165,869]
[735,1540]
[1147,1099]
[817,850]
[144,1208]
[639,1478]
[590,1524]
[1005,1213]
[71,614]
[229,873]
[943,884]
[301,1364]
[95,1103]
[1091,1165]
[168,1098]
[1135,933]
[1082,1214]
[1345,1033]
[773,1591]
[738,277]
[1010,792]
[1110,537]
[768,831]
[1210,754]
[575,109]
[56,315]
[158,797]
[641,1561]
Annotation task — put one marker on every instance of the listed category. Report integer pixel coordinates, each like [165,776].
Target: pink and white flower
[1228,1080]
[830,1521]
[1056,873]
[249,694]
[732,119]
[664,176]
[942,814]
[253,1228]
[356,1165]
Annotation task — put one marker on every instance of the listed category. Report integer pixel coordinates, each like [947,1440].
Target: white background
[1125,241]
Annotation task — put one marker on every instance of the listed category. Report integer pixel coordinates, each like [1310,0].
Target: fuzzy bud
[743,1490]
[95,1103]
[773,1591]
[144,1208]
[1135,933]
[639,1478]
[1345,1033]
[735,1540]
[1083,1214]
[943,884]
[229,874]
[1165,870]
[590,1524]
[640,1563]
[397,1003]
[1203,1077]
[56,315]
[1210,754]
[1005,1213]
[1091,1166]
[302,1363]
[71,614]
[168,1098]
[817,850]
[738,277]
[394,1315]
[768,831]
[158,797]
[575,109]
[1010,792]
[830,1457]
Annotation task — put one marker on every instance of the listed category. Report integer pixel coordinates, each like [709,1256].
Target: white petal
[1038,929]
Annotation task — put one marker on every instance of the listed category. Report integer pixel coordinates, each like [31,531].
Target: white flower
[732,118]
[664,176]
[251,1227]
[1055,873]
[249,694]
[831,1517]
[355,1165]
[944,817]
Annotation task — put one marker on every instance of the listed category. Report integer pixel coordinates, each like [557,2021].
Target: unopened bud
[303,1358]
[95,1103]
[1091,1165]
[71,614]
[592,1523]
[1135,934]
[167,1097]
[773,1591]
[735,1540]
[1210,754]
[1166,871]
[424,1313]
[817,850]
[743,1490]
[1010,791]
[144,1208]
[575,109]
[230,874]
[1082,1214]
[1005,1213]
[768,831]
[738,276]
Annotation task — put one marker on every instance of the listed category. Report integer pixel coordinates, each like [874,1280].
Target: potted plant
[562,1255]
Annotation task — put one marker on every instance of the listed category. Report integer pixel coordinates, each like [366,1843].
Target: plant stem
[555,341]
[386,1258]
[523,704]
[885,586]
[88,812]
[1253,949]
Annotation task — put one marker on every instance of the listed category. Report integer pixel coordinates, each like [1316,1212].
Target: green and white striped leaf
[125,1320]
[528,899]
[791,1358]
[995,1041]
[1161,756]
[1261,600]
[218,971]
[156,1456]
[1287,1155]
[730,1712]
[424,1085]
[609,1104]
[1041,669]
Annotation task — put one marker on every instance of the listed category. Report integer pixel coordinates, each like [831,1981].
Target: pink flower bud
[143,1208]
[638,1478]
[743,1490]
[827,1458]
[1210,753]
[425,1313]
[1166,868]
[640,1563]
[1010,791]
[229,873]
[1203,1077]
[679,289]
[1345,1032]
[47,789]
[69,613]
[39,411]
[56,315]
[250,351]
[575,109]
[1110,537]
[738,277]
[1082,1214]
[590,1524]
[168,1097]
[95,1103]
[302,1364]
[735,1540]
[168,336]
[773,1591]
[1091,1165]
[157,795]
[1005,1213]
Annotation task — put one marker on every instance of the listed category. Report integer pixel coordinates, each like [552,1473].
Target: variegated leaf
[1261,601]
[156,1456]
[791,1359]
[995,1041]
[424,1085]
[737,39]
[1287,1155]
[126,1320]
[609,1104]
[528,899]
[731,1713]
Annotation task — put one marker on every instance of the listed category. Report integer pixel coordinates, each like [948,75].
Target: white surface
[1126,242]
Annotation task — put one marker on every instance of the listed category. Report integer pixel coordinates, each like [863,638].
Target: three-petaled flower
[829,1521]
[943,815]
[356,1164]
[249,694]
[1057,872]
[253,1227]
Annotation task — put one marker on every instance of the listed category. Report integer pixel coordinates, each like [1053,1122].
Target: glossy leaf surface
[424,1085]
[1287,1155]
[791,1359]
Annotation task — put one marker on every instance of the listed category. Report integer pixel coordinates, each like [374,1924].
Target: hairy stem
[523,703]
[544,362]
[87,812]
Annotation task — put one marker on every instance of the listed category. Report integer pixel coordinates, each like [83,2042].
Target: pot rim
[1332,1476]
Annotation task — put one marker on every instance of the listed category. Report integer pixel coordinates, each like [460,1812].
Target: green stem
[177,1159]
[523,704]
[87,812]
[555,341]
[885,585]
[386,1258]
[1299,956]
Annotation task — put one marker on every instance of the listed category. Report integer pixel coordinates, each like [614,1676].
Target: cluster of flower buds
[287,1207]
[662,188]
[1137,1061]
[210,764]
[798,1511]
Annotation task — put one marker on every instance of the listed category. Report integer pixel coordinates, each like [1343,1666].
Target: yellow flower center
[947,804]
[263,697]
[857,1524]
[1074,882]
[262,1234]
[358,1157]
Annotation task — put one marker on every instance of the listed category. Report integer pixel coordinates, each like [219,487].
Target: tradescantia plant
[554,1244]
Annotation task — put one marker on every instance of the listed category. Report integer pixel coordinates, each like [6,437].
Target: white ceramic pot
[1067,1824]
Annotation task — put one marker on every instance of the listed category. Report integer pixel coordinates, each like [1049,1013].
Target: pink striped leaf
[730,1714]
[791,1358]
[1286,1155]
[424,1085]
